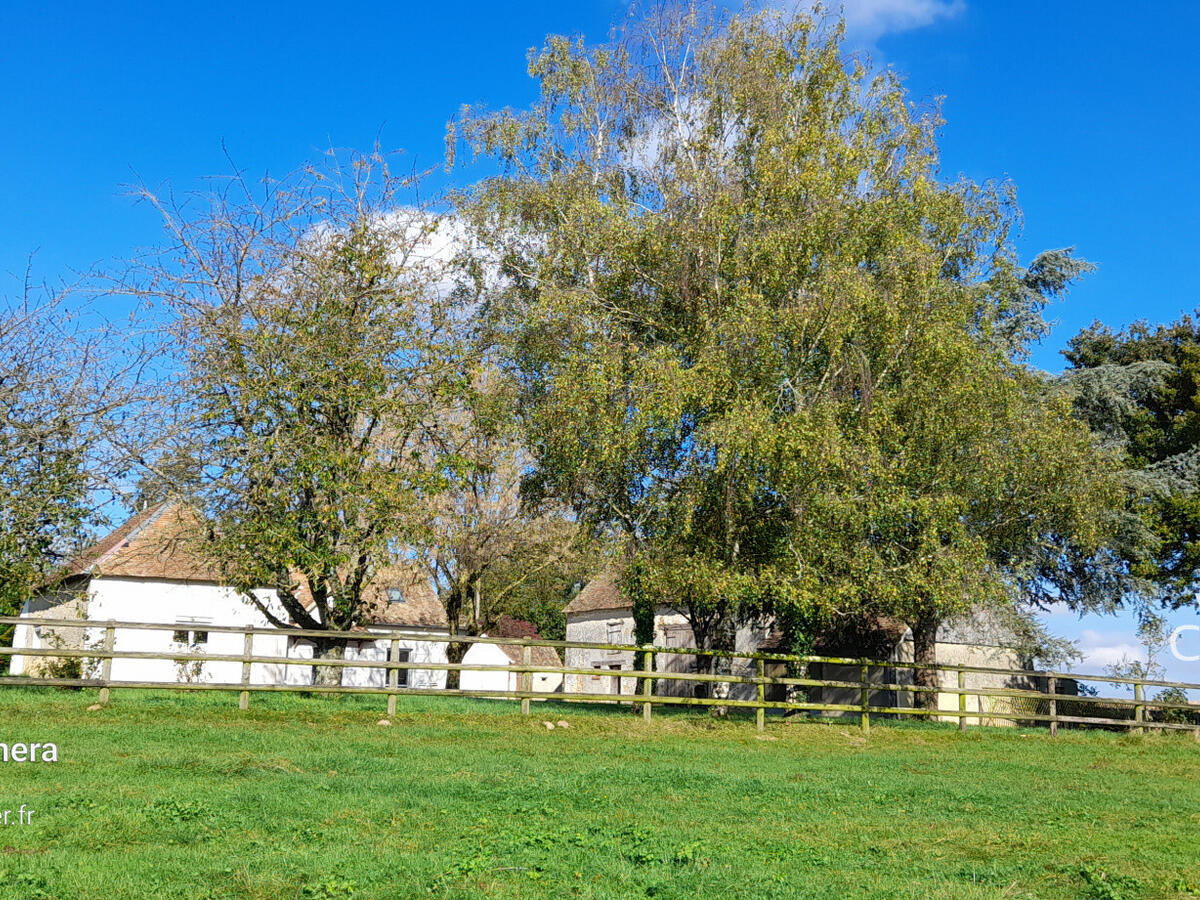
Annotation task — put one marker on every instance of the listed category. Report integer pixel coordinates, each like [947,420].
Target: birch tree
[757,333]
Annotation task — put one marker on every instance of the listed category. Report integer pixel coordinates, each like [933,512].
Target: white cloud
[1106,648]
[869,20]
[1096,659]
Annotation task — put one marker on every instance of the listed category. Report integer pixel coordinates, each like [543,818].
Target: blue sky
[1090,108]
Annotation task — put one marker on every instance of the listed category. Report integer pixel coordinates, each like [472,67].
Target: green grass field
[165,796]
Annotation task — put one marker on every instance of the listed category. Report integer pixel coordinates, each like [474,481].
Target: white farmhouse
[145,572]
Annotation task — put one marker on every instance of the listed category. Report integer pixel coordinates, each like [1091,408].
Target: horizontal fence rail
[868,687]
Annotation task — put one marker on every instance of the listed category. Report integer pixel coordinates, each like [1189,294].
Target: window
[614,633]
[187,636]
[395,595]
[401,674]
[677,636]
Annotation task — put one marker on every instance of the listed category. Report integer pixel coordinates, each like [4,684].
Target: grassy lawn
[165,796]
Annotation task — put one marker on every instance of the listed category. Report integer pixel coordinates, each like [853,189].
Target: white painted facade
[187,608]
[493,655]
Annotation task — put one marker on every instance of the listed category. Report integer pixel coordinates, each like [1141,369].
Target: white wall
[487,655]
[419,651]
[491,655]
[191,606]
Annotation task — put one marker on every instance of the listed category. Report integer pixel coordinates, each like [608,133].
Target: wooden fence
[767,682]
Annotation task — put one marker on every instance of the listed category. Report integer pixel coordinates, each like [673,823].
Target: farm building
[600,614]
[485,654]
[147,571]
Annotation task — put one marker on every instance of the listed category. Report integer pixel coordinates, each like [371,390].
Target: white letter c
[1175,643]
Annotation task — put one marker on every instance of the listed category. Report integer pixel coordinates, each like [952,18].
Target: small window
[184,636]
[180,637]
[401,674]
[395,595]
[614,632]
[199,637]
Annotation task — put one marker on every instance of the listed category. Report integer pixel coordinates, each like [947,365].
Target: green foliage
[756,334]
[1102,885]
[633,588]
[332,889]
[1140,389]
[50,429]
[1176,696]
[320,356]
[169,809]
[632,585]
[62,667]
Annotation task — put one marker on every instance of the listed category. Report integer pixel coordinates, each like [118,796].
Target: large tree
[759,335]
[1139,390]
[320,341]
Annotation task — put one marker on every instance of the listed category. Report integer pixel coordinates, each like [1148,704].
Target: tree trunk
[328,676]
[455,651]
[925,653]
[725,638]
[644,610]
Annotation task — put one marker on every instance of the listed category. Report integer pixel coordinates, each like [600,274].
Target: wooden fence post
[1052,687]
[647,683]
[110,641]
[1139,712]
[760,714]
[962,701]
[247,652]
[526,677]
[865,697]
[393,676]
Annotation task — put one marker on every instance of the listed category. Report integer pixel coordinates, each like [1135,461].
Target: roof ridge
[152,516]
[103,549]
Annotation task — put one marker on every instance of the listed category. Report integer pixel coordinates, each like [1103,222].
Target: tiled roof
[158,543]
[538,656]
[508,627]
[420,605]
[599,593]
